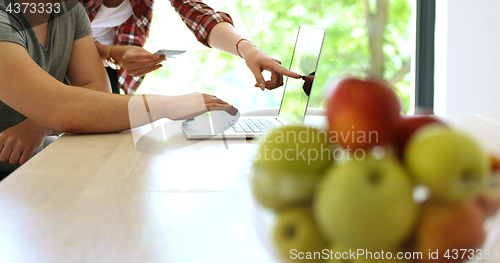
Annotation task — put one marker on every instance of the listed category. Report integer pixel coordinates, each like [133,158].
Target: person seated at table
[121,28]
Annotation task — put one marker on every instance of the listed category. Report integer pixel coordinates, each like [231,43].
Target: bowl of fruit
[375,186]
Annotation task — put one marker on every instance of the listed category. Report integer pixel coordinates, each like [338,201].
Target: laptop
[293,107]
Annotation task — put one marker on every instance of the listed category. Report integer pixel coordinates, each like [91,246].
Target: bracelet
[110,60]
[108,52]
[237,43]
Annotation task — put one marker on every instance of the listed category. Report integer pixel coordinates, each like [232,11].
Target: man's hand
[19,142]
[258,61]
[136,60]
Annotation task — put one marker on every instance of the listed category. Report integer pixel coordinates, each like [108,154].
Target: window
[362,36]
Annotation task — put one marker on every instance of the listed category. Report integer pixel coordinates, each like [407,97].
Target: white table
[96,198]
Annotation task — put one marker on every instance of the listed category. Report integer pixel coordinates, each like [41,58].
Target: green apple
[275,189]
[450,163]
[288,165]
[366,204]
[297,236]
[295,148]
[339,254]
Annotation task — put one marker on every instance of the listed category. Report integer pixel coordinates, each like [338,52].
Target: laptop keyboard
[254,125]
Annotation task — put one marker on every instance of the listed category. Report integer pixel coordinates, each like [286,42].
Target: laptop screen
[304,61]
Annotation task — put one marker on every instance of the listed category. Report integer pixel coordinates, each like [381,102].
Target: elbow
[60,123]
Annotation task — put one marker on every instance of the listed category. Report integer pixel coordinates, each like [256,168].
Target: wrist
[31,125]
[245,47]
[116,53]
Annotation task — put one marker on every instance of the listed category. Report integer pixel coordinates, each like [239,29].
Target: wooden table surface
[99,198]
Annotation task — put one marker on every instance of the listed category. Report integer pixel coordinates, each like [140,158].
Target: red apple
[408,125]
[362,113]
[444,227]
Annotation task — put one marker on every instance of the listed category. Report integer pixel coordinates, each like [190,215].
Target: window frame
[424,59]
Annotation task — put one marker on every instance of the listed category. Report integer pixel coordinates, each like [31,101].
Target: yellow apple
[294,148]
[288,165]
[275,188]
[450,163]
[297,237]
[366,204]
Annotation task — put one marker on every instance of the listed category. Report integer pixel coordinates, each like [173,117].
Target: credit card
[168,53]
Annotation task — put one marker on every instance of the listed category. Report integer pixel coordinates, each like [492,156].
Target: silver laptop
[305,58]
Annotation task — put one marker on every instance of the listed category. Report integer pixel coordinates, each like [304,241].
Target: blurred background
[362,36]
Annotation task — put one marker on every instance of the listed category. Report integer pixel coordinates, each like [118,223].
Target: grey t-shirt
[69,25]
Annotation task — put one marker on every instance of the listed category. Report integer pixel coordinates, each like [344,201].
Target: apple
[275,188]
[362,113]
[448,226]
[295,148]
[407,126]
[366,204]
[450,163]
[338,254]
[296,235]
[288,165]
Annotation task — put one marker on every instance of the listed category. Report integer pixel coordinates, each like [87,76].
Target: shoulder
[142,6]
[79,10]
[5,12]
[12,28]
[74,7]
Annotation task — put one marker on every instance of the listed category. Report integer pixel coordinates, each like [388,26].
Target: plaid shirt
[197,16]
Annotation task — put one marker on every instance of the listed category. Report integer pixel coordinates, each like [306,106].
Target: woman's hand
[258,61]
[191,105]
[136,60]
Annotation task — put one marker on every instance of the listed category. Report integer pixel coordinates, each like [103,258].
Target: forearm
[74,109]
[199,18]
[32,92]
[134,59]
[116,51]
[28,89]
[224,37]
[107,112]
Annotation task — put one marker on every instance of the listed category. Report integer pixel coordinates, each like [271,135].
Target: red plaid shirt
[198,17]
